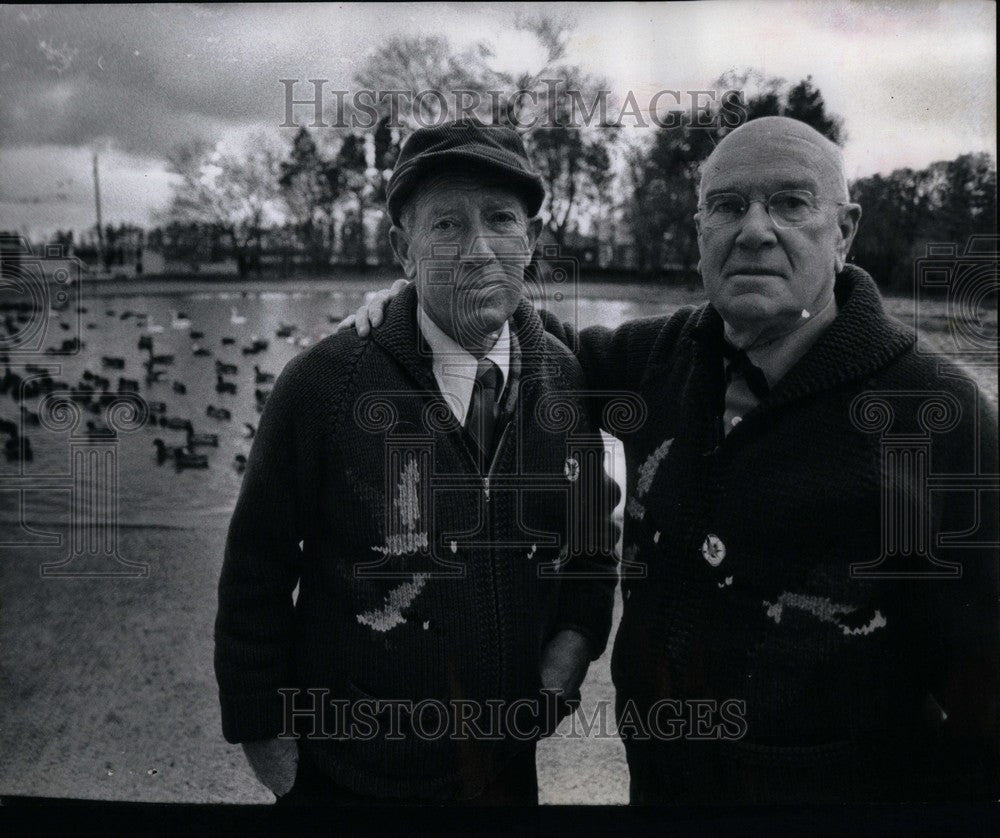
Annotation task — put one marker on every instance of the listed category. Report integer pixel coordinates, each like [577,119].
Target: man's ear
[849,218]
[400,241]
[697,229]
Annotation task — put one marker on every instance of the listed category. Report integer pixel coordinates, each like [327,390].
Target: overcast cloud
[915,82]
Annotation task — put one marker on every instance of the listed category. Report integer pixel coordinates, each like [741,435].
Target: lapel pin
[713,550]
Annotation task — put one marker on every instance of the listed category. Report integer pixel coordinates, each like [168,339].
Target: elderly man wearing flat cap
[418,489]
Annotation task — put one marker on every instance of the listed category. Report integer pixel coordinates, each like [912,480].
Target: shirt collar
[776,357]
[455,368]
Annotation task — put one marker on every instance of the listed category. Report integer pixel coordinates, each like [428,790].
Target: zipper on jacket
[488,526]
[488,521]
[493,462]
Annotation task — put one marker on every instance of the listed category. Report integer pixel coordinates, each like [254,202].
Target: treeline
[907,210]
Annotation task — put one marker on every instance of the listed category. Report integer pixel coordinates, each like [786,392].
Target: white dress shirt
[455,368]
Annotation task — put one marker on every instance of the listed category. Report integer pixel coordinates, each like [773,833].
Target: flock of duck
[95,389]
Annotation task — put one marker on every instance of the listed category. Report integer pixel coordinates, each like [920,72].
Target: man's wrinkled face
[758,275]
[465,241]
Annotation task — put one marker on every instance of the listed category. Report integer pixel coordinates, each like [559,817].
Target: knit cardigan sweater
[419,577]
[738,554]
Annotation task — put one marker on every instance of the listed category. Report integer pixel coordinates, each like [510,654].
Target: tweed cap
[497,149]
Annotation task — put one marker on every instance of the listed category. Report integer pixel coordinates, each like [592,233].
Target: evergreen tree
[310,186]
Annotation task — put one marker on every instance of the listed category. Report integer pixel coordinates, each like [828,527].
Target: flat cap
[497,149]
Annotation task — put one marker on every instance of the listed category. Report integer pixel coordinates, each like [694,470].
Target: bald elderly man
[814,624]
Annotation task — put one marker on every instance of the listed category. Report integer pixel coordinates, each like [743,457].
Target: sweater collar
[776,357]
[860,341]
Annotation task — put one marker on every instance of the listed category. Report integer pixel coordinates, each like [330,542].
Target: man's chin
[748,309]
[490,319]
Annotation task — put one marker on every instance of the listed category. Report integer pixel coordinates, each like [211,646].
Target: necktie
[482,417]
[752,374]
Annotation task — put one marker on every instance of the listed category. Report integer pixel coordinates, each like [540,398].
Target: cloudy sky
[914,81]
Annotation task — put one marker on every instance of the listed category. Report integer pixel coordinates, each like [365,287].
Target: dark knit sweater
[418,577]
[748,539]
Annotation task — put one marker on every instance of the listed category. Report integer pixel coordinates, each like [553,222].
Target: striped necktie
[483,408]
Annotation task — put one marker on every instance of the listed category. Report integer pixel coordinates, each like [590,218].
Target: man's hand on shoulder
[275,762]
[369,315]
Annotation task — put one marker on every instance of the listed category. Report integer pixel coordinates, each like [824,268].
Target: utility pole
[100,226]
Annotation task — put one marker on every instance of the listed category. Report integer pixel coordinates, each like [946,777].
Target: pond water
[158,496]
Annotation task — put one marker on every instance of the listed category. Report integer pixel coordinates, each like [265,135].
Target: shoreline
[589,288]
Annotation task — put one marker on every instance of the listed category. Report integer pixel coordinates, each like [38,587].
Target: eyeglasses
[788,208]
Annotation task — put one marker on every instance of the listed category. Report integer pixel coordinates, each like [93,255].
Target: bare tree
[223,190]
[426,72]
[573,159]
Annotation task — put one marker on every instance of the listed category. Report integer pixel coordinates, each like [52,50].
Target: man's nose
[478,244]
[757,227]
